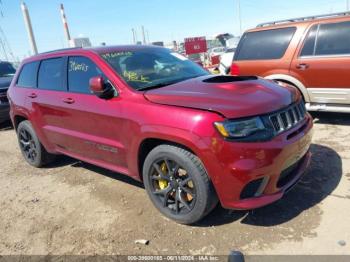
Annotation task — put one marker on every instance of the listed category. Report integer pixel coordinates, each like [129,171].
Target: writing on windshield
[152,67]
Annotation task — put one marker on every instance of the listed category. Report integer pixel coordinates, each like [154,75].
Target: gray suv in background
[7,72]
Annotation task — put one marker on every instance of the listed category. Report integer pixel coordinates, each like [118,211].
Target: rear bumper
[276,166]
[4,112]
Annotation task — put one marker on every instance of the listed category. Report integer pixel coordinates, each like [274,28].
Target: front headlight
[240,128]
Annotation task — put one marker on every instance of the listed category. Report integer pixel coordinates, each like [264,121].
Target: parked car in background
[310,53]
[226,61]
[226,58]
[216,51]
[7,71]
[154,115]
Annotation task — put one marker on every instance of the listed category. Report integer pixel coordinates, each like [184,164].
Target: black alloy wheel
[173,186]
[28,146]
[178,184]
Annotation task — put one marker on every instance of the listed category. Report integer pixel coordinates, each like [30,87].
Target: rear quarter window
[264,45]
[51,74]
[28,75]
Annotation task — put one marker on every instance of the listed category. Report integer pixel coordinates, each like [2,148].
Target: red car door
[74,121]
[47,112]
[25,86]
[91,123]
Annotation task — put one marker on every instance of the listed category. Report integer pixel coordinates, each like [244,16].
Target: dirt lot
[76,208]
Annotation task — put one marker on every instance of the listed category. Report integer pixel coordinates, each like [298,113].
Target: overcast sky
[111,21]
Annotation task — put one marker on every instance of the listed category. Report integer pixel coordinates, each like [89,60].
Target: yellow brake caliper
[162,182]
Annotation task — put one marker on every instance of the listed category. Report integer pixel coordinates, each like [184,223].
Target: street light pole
[133,36]
[143,35]
[147,34]
[239,17]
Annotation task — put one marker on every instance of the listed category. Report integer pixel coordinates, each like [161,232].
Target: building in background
[80,42]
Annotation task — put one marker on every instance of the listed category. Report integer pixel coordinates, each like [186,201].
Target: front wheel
[178,185]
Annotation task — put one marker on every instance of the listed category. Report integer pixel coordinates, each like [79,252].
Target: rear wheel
[32,150]
[178,185]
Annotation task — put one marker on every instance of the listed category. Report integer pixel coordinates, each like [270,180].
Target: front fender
[197,144]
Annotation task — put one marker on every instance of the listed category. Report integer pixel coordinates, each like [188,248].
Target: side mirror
[99,88]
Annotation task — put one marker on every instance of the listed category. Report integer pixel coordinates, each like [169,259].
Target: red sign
[195,45]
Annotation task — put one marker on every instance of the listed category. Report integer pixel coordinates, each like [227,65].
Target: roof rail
[62,49]
[303,19]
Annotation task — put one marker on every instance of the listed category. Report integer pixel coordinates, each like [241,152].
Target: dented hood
[232,97]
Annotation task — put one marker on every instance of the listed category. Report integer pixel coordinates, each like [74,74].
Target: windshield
[152,68]
[6,69]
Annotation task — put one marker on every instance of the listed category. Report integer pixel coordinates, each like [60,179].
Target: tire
[32,150]
[184,194]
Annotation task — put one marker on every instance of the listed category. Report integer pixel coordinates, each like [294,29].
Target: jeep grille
[288,117]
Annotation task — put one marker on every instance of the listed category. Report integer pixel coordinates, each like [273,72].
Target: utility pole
[65,25]
[143,35]
[133,36]
[29,28]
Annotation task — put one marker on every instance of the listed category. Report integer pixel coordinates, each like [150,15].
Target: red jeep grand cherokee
[146,112]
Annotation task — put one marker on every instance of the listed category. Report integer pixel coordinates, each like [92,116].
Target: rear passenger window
[263,45]
[28,75]
[309,45]
[333,39]
[80,70]
[51,74]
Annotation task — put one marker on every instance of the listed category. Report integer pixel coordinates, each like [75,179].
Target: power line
[3,50]
[5,45]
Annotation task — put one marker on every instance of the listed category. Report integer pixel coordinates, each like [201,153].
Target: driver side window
[80,70]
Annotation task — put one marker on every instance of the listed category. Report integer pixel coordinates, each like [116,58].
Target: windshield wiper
[164,84]
[6,75]
[154,86]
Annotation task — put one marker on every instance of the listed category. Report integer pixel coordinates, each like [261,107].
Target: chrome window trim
[324,56]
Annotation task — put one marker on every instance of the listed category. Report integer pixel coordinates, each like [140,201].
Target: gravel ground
[76,208]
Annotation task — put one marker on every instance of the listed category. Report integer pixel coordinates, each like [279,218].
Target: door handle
[68,100]
[32,95]
[302,66]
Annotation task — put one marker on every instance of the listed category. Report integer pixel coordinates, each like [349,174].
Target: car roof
[302,21]
[96,50]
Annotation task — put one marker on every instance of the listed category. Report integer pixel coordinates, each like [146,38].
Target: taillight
[234,70]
